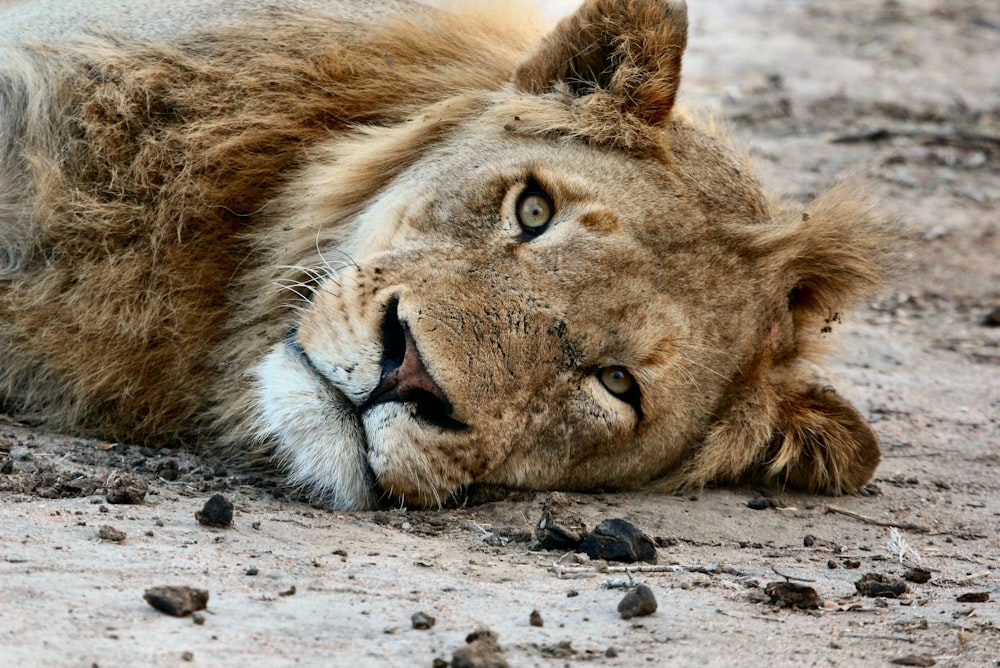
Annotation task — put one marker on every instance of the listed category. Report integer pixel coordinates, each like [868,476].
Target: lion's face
[513,310]
[536,296]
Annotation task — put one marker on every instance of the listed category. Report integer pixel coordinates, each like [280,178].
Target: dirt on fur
[905,93]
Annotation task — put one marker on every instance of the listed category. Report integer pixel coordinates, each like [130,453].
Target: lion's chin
[404,453]
[316,433]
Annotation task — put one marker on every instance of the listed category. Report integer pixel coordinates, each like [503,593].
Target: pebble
[637,603]
[422,621]
[110,533]
[481,651]
[126,488]
[535,619]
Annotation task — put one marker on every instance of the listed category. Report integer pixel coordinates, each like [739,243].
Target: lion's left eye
[534,211]
[617,380]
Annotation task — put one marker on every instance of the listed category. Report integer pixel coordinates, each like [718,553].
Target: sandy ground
[905,92]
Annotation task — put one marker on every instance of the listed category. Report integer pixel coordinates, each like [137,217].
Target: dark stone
[422,621]
[992,319]
[918,575]
[217,512]
[618,540]
[176,601]
[762,503]
[535,618]
[793,595]
[921,660]
[974,597]
[876,584]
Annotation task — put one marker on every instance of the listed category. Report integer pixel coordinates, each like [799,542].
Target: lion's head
[559,283]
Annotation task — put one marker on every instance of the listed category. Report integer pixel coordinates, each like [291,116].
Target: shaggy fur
[217,240]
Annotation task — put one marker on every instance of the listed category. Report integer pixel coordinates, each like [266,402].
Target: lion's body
[242,237]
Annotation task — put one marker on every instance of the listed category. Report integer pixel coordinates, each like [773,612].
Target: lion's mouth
[404,377]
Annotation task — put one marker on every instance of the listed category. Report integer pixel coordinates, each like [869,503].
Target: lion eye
[534,211]
[617,380]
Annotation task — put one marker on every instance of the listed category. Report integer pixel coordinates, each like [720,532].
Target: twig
[864,636]
[561,571]
[970,577]
[916,528]
[790,577]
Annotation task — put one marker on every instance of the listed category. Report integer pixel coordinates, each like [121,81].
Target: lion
[396,251]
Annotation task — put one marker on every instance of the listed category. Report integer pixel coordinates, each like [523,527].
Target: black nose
[404,377]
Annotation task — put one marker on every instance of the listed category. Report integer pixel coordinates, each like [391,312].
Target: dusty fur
[210,240]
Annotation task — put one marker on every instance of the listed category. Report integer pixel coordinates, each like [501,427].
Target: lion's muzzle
[404,377]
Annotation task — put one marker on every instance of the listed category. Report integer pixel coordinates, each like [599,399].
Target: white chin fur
[318,438]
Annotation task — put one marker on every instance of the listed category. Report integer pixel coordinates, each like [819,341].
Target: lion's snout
[404,377]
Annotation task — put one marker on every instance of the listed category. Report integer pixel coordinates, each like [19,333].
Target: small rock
[198,618]
[831,564]
[637,603]
[918,575]
[481,651]
[611,652]
[288,592]
[974,597]
[992,319]
[572,593]
[560,650]
[561,527]
[187,656]
[618,540]
[167,469]
[793,595]
[809,540]
[176,601]
[535,618]
[422,621]
[852,563]
[762,503]
[126,488]
[876,584]
[914,660]
[253,570]
[217,512]
[110,533]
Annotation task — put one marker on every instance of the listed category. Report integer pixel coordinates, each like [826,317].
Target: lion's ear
[628,49]
[826,258]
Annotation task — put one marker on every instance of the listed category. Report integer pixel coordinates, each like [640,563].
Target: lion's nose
[404,377]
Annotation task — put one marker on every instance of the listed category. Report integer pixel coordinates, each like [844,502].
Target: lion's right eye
[534,211]
[618,381]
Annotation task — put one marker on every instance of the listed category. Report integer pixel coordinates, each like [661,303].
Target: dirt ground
[905,92]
